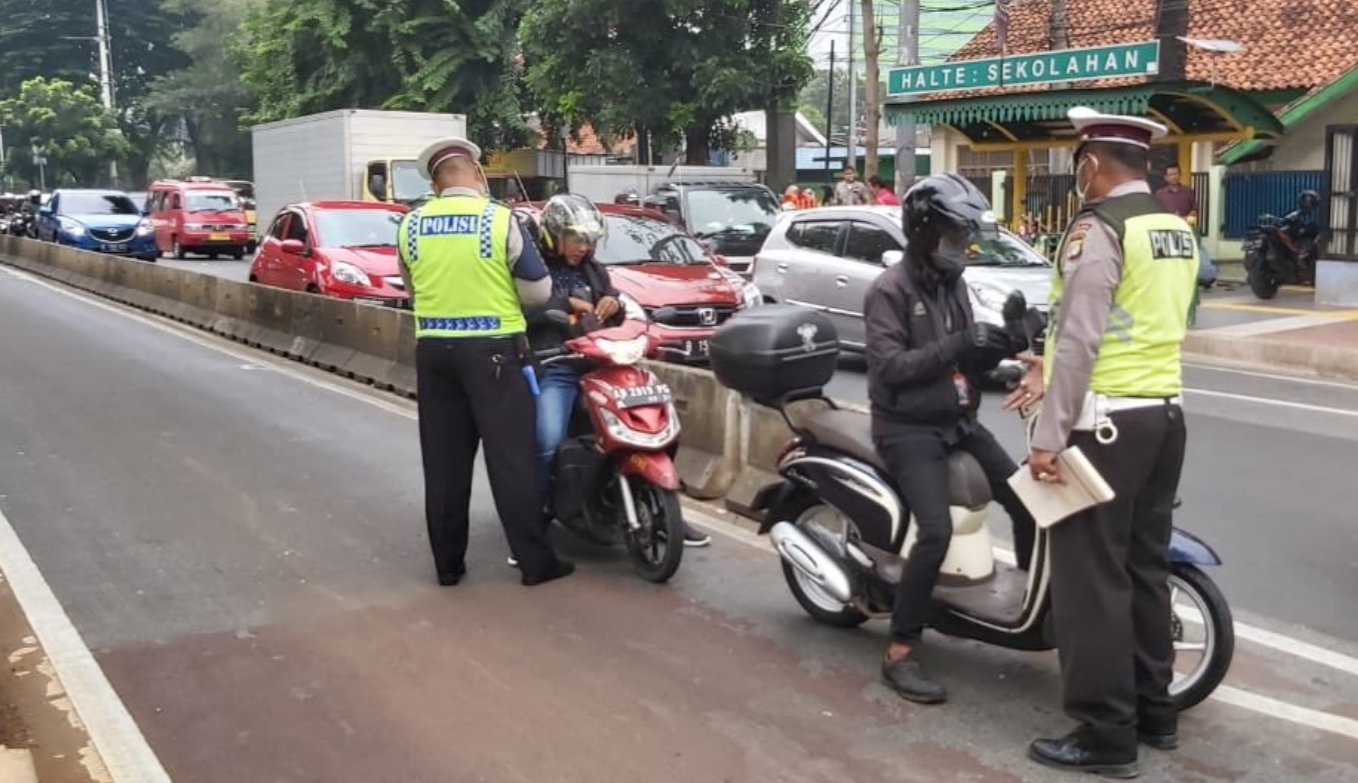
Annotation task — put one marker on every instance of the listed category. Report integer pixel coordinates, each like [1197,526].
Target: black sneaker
[907,678]
[695,538]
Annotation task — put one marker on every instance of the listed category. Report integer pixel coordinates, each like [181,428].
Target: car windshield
[210,201]
[731,211]
[1003,249]
[409,184]
[633,239]
[97,204]
[357,227]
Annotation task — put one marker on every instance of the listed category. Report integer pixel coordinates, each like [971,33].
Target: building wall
[1303,148]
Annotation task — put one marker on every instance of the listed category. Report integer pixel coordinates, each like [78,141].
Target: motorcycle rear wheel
[1216,649]
[657,547]
[822,607]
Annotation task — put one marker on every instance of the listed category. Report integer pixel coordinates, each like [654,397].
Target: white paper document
[1051,503]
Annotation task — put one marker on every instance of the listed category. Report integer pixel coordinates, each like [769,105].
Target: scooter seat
[850,432]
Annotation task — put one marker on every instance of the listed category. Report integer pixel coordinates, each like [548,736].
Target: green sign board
[1066,65]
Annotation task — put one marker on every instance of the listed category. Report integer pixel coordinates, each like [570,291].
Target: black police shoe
[1161,735]
[1078,752]
[451,578]
[906,677]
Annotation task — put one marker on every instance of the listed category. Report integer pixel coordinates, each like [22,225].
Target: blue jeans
[560,386]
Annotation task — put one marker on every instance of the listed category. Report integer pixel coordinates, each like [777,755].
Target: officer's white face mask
[1091,164]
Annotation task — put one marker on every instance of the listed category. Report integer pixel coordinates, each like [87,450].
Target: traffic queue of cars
[822,259]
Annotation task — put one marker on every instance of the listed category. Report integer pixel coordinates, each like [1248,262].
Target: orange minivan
[198,215]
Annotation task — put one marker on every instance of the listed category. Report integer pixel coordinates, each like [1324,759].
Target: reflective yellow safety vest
[1141,351]
[456,248]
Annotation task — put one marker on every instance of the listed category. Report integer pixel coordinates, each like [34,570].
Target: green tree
[77,134]
[207,95]
[455,56]
[673,71]
[34,42]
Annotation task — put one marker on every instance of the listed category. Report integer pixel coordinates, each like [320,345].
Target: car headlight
[624,351]
[73,228]
[145,229]
[348,273]
[632,309]
[750,295]
[194,226]
[988,297]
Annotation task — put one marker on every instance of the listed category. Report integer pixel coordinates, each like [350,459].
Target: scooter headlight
[632,309]
[642,440]
[624,351]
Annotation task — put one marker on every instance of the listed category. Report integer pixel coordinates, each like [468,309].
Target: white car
[826,258]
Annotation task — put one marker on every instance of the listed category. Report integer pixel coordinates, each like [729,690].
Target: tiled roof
[591,144]
[1294,44]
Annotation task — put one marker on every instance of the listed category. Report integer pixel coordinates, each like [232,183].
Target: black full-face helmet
[945,212]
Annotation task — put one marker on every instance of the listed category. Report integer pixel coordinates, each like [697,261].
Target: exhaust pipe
[811,560]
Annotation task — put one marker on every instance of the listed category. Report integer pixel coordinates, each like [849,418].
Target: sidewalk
[1288,333]
[41,738]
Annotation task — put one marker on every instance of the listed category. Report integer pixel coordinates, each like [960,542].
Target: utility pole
[106,72]
[830,114]
[908,40]
[852,157]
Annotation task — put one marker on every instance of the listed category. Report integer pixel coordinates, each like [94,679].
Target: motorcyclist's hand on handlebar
[581,306]
[607,308]
[1031,389]
[987,338]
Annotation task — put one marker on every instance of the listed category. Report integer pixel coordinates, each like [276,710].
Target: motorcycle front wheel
[1263,285]
[1204,635]
[657,545]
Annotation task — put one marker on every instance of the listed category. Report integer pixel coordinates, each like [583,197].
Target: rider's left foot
[694,537]
[907,678]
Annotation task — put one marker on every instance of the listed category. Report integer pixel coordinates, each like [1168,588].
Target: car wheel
[238,254]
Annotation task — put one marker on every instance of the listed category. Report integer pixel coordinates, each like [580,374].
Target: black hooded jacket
[542,332]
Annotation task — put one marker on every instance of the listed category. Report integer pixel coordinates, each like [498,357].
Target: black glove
[983,338]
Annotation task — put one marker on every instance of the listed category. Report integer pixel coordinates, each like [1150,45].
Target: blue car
[105,221]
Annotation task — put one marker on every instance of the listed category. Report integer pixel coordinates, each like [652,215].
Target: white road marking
[115,735]
[1302,406]
[1227,694]
[1272,376]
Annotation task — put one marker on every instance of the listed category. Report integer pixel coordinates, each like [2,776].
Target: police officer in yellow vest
[470,269]
[1121,295]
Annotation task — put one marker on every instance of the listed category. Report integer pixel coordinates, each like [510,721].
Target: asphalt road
[240,543]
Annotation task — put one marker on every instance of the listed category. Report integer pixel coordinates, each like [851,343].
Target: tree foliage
[455,56]
[672,69]
[208,94]
[77,135]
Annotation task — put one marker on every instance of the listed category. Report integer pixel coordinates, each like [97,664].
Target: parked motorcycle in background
[1283,251]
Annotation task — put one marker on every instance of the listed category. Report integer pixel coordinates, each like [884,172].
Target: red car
[655,264]
[344,249]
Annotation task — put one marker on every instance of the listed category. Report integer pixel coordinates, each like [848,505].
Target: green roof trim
[1295,113]
[1193,107]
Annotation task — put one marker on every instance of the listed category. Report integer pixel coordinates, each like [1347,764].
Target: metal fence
[1249,195]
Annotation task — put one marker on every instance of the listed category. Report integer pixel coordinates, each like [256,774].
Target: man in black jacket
[925,354]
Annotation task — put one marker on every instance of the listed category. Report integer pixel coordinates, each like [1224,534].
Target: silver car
[826,258]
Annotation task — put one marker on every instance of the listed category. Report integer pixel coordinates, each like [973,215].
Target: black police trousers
[919,463]
[472,391]
[1110,596]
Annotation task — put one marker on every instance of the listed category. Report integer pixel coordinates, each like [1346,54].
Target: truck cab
[731,218]
[395,181]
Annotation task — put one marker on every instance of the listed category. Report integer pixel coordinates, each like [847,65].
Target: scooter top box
[775,352]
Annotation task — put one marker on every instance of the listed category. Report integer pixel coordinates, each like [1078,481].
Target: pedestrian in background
[470,269]
[850,192]
[882,192]
[827,196]
[1175,198]
[1122,289]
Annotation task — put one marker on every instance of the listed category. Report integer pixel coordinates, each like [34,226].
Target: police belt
[1095,416]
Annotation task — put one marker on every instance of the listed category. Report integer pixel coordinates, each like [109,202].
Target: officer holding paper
[1123,287]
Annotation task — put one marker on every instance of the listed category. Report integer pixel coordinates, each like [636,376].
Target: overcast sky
[945,25]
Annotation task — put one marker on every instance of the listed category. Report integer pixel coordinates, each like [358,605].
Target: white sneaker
[512,562]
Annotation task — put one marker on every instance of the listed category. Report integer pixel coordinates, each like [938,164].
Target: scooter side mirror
[664,314]
[1015,307]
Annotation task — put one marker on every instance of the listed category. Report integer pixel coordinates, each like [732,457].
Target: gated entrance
[1341,166]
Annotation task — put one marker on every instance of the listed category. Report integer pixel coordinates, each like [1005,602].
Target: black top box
[776,353]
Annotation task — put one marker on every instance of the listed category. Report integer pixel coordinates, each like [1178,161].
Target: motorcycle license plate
[696,349]
[218,237]
[639,396]
[116,247]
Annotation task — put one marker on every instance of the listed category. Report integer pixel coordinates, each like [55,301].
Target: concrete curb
[1326,361]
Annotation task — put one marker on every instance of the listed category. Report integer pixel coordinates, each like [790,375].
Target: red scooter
[614,475]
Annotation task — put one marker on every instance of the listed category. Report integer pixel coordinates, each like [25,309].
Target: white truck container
[340,154]
[603,184]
